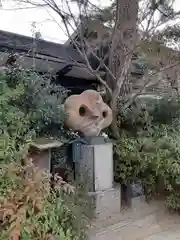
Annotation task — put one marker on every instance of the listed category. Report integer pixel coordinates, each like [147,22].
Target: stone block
[106,202]
[96,165]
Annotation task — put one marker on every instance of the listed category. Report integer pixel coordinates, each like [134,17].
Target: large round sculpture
[87,113]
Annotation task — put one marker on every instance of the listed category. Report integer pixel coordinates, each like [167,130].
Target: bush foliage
[31,107]
[149,148]
[29,210]
[42,99]
[15,126]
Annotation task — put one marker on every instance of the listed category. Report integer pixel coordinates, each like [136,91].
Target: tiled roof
[22,44]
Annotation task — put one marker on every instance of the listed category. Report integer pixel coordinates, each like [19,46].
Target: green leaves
[29,108]
[14,124]
[43,102]
[149,150]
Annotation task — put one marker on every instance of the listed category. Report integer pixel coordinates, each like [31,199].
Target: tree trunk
[124,39]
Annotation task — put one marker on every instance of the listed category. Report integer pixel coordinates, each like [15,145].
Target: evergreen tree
[30,107]
[15,125]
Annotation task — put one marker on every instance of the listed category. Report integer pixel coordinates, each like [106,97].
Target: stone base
[106,202]
[138,203]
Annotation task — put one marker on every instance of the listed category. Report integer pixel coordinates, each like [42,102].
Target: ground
[146,222]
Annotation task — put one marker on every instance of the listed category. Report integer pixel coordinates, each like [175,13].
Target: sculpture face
[87,113]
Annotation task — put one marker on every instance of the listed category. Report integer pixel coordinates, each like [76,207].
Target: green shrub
[29,210]
[165,110]
[40,103]
[149,111]
[43,99]
[15,126]
[149,149]
[152,157]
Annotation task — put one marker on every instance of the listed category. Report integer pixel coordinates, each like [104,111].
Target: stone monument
[88,114]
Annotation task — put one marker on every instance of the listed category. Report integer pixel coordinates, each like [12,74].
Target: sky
[17,20]
[20,21]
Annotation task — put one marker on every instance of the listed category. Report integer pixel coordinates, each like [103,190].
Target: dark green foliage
[44,100]
[166,110]
[15,127]
[151,152]
[150,111]
[31,107]
[40,102]
[170,34]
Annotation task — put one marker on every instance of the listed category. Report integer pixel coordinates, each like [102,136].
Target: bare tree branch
[123,41]
[146,79]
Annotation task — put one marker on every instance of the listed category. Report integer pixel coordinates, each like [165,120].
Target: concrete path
[151,222]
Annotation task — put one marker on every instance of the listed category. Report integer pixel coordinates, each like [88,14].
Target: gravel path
[151,222]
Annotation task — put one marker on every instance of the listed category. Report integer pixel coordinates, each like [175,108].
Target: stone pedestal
[106,203]
[96,167]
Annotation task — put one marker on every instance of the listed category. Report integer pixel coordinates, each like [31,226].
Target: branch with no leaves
[80,47]
[52,5]
[146,79]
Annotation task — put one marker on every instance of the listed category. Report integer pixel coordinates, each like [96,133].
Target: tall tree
[124,39]
[128,21]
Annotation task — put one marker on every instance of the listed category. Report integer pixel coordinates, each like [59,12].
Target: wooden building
[64,64]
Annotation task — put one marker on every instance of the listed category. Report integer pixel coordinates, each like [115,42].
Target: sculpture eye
[104,114]
[82,111]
